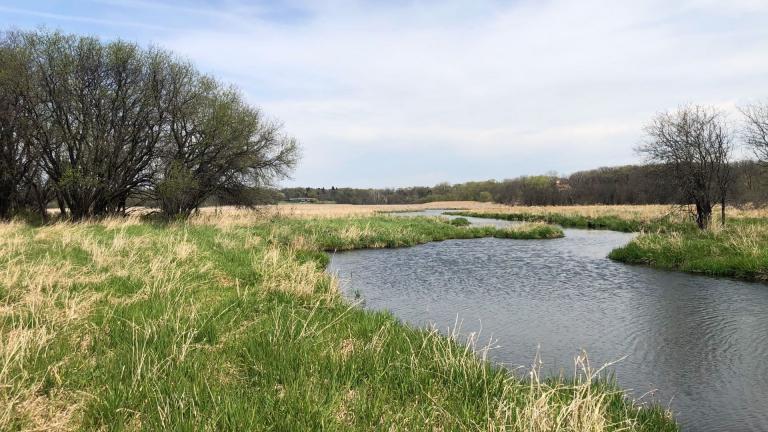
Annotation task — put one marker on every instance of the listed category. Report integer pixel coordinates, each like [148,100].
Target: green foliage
[628,184]
[177,190]
[97,124]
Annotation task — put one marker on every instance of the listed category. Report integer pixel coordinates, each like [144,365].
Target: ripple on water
[701,342]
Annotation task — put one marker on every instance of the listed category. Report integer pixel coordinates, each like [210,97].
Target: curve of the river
[699,343]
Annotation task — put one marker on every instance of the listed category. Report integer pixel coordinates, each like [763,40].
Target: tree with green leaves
[105,122]
[217,146]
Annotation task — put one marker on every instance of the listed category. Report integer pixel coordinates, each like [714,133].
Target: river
[698,344]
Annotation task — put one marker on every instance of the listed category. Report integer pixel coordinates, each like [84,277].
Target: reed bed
[123,324]
[243,216]
[633,216]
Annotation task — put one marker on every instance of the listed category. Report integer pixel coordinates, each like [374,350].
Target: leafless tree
[755,131]
[94,117]
[694,144]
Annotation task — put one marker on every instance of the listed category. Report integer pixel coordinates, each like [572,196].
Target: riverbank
[739,250]
[230,324]
[607,222]
[667,240]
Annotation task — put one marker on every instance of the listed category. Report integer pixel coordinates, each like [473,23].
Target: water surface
[700,343]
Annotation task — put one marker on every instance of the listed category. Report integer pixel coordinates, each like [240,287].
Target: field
[229,322]
[341,210]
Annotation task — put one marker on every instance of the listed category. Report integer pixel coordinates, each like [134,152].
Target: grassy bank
[127,325]
[740,250]
[606,222]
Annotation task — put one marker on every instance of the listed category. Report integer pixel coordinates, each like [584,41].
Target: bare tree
[755,131]
[694,144]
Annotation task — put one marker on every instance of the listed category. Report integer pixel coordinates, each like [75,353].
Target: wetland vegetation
[668,238]
[124,323]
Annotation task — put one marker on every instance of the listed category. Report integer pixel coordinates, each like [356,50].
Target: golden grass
[223,216]
[282,273]
[746,240]
[44,302]
[630,212]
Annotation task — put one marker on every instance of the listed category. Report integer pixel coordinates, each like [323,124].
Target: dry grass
[283,273]
[642,213]
[164,312]
[43,305]
[222,216]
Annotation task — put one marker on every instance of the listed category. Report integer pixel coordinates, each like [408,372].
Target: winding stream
[699,343]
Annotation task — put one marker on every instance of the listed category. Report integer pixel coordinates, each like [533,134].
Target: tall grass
[128,325]
[244,216]
[739,250]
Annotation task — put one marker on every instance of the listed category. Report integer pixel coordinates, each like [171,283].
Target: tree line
[99,126]
[630,184]
[96,127]
[689,154]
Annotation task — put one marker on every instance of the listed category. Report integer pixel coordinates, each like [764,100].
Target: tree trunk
[62,205]
[722,211]
[703,214]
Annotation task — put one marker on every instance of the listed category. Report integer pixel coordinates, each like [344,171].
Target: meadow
[229,322]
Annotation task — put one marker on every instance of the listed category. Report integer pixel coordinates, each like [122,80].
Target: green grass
[390,232]
[459,221]
[138,326]
[604,222]
[740,250]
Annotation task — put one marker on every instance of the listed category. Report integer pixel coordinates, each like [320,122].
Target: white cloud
[553,76]
[555,85]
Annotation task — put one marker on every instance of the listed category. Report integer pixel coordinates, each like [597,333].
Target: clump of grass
[121,324]
[459,221]
[388,232]
[535,230]
[739,250]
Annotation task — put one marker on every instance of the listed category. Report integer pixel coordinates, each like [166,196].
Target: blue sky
[398,93]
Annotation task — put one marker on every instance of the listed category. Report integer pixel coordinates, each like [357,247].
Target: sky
[404,93]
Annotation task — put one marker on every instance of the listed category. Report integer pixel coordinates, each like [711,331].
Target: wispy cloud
[58,18]
[397,93]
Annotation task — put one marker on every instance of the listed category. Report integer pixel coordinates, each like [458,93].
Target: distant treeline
[631,184]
